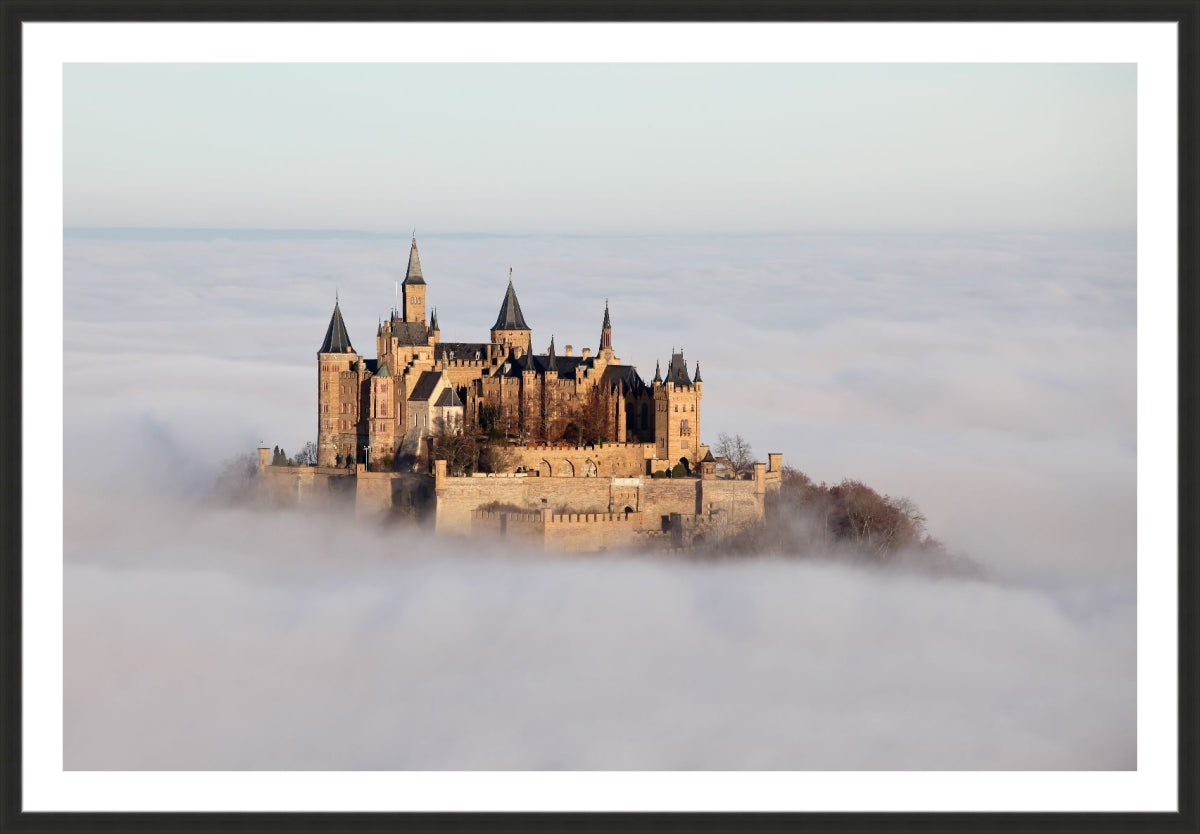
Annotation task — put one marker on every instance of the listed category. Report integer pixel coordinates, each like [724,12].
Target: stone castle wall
[566,460]
[306,485]
[559,532]
[573,514]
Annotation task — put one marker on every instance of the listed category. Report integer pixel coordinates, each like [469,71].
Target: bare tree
[307,456]
[496,456]
[735,452]
[593,417]
[459,448]
[237,480]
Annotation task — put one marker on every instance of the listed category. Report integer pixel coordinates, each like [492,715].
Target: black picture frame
[14,419]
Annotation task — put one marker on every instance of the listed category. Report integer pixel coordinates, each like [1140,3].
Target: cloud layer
[225,640]
[989,378]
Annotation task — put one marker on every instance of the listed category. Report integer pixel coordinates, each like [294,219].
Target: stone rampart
[305,485]
[556,513]
[567,460]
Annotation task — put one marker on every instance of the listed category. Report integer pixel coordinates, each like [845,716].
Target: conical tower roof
[550,363]
[657,371]
[413,275]
[510,317]
[697,378]
[336,338]
[433,325]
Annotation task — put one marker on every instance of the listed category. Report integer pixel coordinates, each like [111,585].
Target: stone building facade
[383,411]
[591,450]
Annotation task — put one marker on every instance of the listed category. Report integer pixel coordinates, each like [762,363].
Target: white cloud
[990,379]
[225,640]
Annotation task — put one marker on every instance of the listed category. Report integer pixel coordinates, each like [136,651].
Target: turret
[510,328]
[338,394]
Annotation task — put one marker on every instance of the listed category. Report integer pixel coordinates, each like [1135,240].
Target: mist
[991,379]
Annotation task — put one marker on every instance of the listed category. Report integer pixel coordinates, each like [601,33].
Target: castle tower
[510,328]
[414,286]
[677,413]
[386,421]
[338,394]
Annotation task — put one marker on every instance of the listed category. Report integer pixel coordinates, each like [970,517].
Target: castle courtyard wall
[551,513]
[736,503]
[561,460]
[305,485]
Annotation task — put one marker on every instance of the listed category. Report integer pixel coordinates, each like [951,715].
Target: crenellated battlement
[592,518]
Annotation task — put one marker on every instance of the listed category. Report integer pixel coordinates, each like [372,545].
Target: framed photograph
[522,419]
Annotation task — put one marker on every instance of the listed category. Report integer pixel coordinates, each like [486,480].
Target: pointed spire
[433,325]
[606,330]
[657,371]
[550,363]
[413,275]
[510,317]
[697,378]
[336,338]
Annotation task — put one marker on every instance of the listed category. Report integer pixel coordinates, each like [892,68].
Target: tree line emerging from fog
[847,520]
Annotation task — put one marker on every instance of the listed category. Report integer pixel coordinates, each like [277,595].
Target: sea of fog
[990,379]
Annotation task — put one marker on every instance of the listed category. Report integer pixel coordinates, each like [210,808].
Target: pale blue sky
[602,148]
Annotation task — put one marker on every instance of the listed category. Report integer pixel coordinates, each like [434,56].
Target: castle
[378,410]
[593,457]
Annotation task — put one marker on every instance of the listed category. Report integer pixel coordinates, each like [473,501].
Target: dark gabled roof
[708,458]
[461,351]
[697,378]
[413,274]
[448,399]
[625,377]
[336,338]
[510,317]
[426,384]
[410,333]
[566,365]
[677,371]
